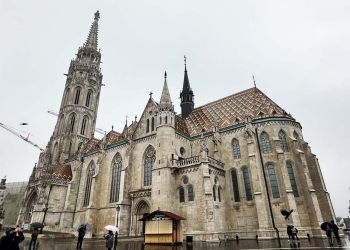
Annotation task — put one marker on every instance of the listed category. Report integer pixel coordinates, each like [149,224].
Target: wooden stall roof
[173,216]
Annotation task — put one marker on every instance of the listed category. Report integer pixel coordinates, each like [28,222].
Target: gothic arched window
[219,194]
[235,185]
[236,149]
[293,182]
[273,181]
[152,124]
[150,157]
[283,140]
[265,143]
[214,193]
[116,173]
[247,184]
[71,123]
[166,119]
[182,194]
[77,95]
[190,193]
[88,98]
[147,126]
[83,125]
[88,182]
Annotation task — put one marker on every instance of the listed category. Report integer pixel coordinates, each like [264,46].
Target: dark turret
[186,95]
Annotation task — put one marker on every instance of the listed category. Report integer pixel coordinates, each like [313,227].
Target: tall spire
[91,41]
[186,95]
[165,100]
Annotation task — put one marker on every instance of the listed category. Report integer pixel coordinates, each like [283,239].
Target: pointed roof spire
[186,86]
[91,41]
[165,100]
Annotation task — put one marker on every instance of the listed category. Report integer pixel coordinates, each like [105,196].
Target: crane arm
[20,136]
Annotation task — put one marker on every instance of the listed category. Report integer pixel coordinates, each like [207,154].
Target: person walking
[32,244]
[11,240]
[335,230]
[81,234]
[329,233]
[109,240]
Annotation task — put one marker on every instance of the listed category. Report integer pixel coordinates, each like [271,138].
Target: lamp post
[117,209]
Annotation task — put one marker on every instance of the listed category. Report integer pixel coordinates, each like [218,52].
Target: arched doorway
[142,208]
[30,207]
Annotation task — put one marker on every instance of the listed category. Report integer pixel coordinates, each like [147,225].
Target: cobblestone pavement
[95,244]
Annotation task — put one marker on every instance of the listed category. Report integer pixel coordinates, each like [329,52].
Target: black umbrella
[37,225]
[286,214]
[324,225]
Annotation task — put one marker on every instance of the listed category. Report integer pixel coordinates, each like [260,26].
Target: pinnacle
[91,41]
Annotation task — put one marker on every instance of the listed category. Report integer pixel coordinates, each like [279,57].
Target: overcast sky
[298,51]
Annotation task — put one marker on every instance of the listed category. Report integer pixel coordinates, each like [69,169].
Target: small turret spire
[91,41]
[186,95]
[165,100]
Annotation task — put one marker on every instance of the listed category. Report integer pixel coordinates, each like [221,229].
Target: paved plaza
[94,244]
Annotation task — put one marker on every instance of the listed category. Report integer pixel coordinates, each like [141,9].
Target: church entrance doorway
[141,209]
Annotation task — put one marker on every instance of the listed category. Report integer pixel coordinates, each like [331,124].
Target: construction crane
[98,130]
[25,138]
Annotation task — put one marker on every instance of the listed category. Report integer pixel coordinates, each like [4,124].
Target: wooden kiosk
[162,227]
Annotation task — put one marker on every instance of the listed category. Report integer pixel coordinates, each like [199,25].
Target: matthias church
[228,167]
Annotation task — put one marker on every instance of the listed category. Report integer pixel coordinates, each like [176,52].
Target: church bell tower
[77,115]
[186,96]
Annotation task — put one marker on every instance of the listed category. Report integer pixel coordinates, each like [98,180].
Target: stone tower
[162,180]
[77,115]
[186,95]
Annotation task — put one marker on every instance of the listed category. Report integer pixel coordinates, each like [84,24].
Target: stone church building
[228,166]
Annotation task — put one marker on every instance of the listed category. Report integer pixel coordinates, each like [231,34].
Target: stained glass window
[235,185]
[273,181]
[117,164]
[150,157]
[265,143]
[247,184]
[90,174]
[283,141]
[293,182]
[236,149]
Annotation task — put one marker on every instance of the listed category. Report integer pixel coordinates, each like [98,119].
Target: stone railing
[215,163]
[188,161]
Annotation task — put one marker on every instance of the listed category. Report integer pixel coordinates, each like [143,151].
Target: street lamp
[117,209]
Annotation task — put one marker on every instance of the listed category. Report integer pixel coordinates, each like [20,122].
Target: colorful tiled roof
[62,171]
[229,110]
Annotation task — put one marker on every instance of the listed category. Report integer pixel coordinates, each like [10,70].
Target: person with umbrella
[326,226]
[109,240]
[335,230]
[35,233]
[81,234]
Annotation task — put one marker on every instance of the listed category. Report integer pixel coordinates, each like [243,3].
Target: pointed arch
[292,179]
[71,122]
[147,126]
[88,98]
[142,207]
[273,180]
[214,192]
[117,164]
[235,185]
[247,183]
[265,143]
[236,150]
[84,124]
[181,194]
[283,140]
[90,173]
[61,124]
[149,159]
[190,193]
[77,95]
[152,124]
